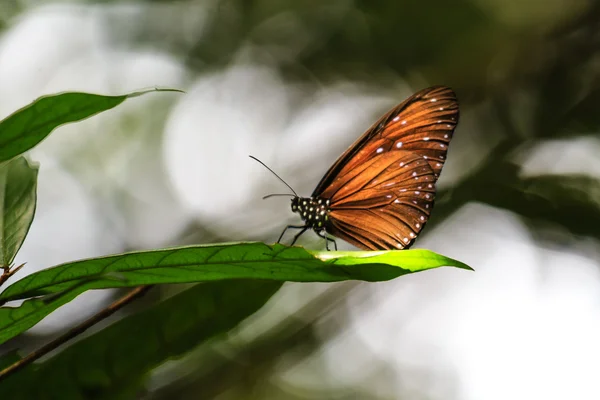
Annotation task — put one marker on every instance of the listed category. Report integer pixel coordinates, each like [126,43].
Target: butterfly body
[314,211]
[380,192]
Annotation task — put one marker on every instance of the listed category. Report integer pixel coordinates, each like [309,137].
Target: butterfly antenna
[278,177]
[278,194]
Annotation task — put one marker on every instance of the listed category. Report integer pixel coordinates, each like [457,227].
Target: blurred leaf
[15,320]
[583,117]
[13,386]
[225,261]
[566,70]
[119,357]
[8,359]
[571,201]
[18,184]
[556,92]
[28,126]
[371,38]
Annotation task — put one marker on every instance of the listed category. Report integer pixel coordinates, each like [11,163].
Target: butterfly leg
[288,227]
[304,228]
[327,240]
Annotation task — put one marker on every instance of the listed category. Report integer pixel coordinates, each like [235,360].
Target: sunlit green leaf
[61,284]
[225,261]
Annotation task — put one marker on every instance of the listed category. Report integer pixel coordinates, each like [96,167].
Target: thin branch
[77,330]
[7,272]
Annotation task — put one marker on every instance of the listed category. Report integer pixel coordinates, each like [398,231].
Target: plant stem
[75,331]
[7,272]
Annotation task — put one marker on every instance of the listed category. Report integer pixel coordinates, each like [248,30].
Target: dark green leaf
[28,126]
[105,363]
[18,186]
[582,118]
[569,201]
[14,386]
[8,359]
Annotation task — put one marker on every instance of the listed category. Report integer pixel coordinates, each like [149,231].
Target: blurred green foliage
[523,77]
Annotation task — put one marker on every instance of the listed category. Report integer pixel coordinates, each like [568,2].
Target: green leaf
[28,126]
[63,283]
[225,261]
[15,320]
[18,191]
[123,353]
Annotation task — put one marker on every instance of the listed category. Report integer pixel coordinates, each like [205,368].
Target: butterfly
[379,193]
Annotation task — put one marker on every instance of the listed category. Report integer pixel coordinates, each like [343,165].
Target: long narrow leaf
[225,261]
[28,126]
[61,284]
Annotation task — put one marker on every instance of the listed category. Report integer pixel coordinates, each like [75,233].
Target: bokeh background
[294,83]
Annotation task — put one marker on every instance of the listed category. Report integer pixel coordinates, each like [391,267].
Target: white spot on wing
[399,144]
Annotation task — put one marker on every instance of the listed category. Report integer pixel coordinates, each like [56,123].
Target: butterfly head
[313,211]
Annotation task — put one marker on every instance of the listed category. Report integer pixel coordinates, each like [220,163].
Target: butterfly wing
[423,124]
[384,202]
